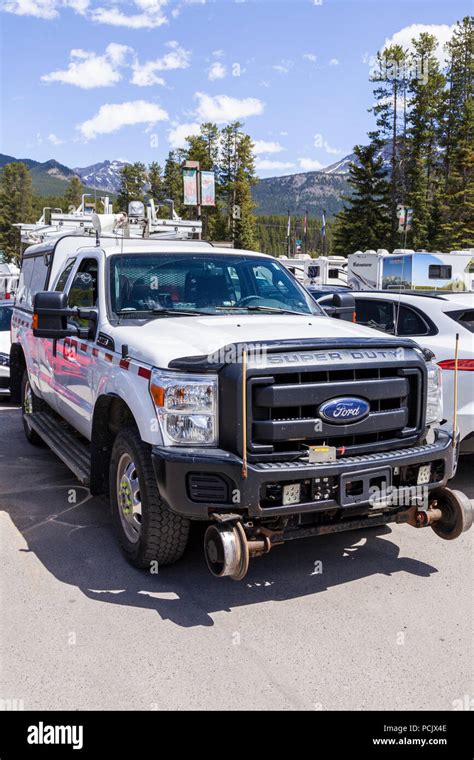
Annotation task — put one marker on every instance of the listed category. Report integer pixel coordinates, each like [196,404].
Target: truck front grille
[284,410]
[286,390]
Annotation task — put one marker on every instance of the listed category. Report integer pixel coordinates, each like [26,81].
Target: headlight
[186,407]
[4,360]
[434,398]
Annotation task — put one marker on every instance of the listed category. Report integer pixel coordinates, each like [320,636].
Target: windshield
[5,318]
[165,283]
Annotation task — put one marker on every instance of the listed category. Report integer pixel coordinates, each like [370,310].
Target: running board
[64,442]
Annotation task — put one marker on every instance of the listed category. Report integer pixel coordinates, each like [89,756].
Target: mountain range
[312,191]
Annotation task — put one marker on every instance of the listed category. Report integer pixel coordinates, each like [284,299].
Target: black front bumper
[174,467]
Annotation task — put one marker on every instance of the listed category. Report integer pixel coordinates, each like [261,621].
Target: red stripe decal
[146,373]
[124,363]
[95,352]
[83,346]
[109,357]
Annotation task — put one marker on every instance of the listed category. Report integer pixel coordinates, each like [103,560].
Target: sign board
[405,218]
[208,189]
[190,187]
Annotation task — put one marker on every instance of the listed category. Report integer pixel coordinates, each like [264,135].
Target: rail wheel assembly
[455,510]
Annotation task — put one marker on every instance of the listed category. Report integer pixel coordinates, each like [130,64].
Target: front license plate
[291,494]
[424,474]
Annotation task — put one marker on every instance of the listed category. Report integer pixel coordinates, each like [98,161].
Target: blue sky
[86,80]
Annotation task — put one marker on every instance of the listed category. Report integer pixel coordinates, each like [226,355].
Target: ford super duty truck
[192,382]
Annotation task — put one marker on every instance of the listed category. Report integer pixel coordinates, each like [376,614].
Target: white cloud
[404,37]
[283,67]
[138,14]
[80,6]
[223,108]
[88,70]
[263,146]
[46,9]
[217,70]
[113,116]
[54,140]
[334,62]
[144,75]
[266,164]
[310,164]
[310,57]
[178,134]
[150,15]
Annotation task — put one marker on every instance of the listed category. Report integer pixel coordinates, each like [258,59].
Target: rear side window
[377,314]
[410,322]
[465,318]
[33,277]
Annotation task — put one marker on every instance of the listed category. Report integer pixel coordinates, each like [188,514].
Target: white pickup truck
[192,382]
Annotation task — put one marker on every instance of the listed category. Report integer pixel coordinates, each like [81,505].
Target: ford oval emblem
[343,411]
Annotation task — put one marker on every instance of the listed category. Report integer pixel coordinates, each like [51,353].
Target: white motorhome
[323,270]
[411,270]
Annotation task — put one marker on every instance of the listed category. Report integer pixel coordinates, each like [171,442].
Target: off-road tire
[163,534]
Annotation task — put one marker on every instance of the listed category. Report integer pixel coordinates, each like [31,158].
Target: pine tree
[390,113]
[73,194]
[245,227]
[426,89]
[366,222]
[457,139]
[16,205]
[132,185]
[155,181]
[228,173]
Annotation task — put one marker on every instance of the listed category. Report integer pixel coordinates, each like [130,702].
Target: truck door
[73,361]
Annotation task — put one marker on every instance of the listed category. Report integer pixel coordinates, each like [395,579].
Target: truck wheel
[456,509]
[30,403]
[148,530]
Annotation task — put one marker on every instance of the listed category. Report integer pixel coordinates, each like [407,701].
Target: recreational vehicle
[411,270]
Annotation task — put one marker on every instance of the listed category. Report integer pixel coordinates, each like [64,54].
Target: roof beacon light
[136,209]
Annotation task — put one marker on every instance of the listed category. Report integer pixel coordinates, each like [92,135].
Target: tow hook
[229,545]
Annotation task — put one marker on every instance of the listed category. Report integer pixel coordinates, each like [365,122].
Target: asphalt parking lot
[386,625]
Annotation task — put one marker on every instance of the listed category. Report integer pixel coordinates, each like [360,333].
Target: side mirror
[51,314]
[343,306]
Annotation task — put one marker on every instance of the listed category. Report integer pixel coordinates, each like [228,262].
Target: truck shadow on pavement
[71,534]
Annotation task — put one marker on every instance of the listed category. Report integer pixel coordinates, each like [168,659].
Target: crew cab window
[409,322]
[83,292]
[207,283]
[439,272]
[63,277]
[376,314]
[33,278]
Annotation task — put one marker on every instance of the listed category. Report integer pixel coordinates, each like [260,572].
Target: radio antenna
[455,394]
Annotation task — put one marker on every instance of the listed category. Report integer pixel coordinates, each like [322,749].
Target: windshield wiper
[124,313]
[270,309]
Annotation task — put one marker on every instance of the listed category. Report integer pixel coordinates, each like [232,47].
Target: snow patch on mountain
[103,176]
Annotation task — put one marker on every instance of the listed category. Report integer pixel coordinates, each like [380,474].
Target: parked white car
[6,310]
[432,319]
